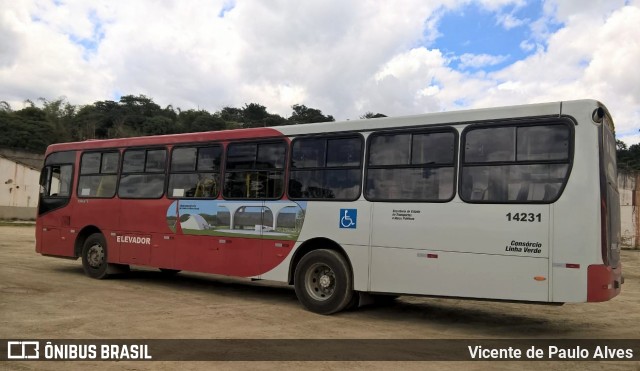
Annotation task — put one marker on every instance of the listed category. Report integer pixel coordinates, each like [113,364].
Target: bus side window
[326,168]
[517,163]
[255,170]
[417,165]
[195,172]
[98,174]
[143,173]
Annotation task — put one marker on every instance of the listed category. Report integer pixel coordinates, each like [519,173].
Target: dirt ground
[43,298]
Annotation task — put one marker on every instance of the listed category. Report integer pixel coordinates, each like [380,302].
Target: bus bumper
[603,282]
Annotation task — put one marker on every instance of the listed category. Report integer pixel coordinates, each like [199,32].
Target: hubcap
[320,281]
[95,256]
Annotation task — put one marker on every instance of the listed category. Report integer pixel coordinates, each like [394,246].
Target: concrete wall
[629,188]
[32,160]
[18,190]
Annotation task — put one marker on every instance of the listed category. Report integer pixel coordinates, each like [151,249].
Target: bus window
[254,170]
[98,174]
[56,181]
[411,166]
[519,164]
[326,168]
[195,172]
[142,173]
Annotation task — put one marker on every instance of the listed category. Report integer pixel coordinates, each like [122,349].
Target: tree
[371,115]
[208,122]
[199,120]
[4,106]
[304,115]
[158,125]
[60,114]
[232,115]
[254,115]
[628,159]
[26,129]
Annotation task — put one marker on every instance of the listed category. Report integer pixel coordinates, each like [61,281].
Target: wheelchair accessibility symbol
[348,218]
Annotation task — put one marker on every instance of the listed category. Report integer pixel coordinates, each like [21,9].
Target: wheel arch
[316,244]
[82,236]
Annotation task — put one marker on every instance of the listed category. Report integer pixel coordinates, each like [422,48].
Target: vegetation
[628,157]
[34,127]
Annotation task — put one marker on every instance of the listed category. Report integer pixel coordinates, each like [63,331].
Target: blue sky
[343,57]
[505,35]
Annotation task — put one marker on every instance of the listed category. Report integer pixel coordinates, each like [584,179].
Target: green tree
[254,115]
[194,121]
[371,115]
[628,158]
[26,129]
[60,114]
[232,116]
[304,115]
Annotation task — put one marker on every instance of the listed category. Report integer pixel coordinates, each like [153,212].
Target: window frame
[326,137]
[146,149]
[565,121]
[117,173]
[197,146]
[455,164]
[224,170]
[47,203]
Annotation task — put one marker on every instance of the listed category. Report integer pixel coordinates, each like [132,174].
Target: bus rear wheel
[323,282]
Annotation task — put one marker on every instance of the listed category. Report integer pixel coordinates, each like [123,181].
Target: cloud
[345,58]
[508,21]
[480,60]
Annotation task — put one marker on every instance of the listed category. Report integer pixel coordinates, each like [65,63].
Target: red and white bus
[515,203]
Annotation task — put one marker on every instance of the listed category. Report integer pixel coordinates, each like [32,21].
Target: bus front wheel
[94,256]
[323,281]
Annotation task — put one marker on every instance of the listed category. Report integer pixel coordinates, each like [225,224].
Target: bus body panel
[440,258]
[577,245]
[437,226]
[327,220]
[428,272]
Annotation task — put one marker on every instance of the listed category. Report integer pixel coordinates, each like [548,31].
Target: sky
[344,57]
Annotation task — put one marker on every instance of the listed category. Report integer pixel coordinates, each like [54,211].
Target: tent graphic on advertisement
[195,221]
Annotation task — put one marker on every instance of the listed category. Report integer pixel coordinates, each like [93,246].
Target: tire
[94,256]
[169,272]
[323,282]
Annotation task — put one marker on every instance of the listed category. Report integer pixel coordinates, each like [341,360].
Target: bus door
[54,207]
[143,210]
[239,237]
[281,225]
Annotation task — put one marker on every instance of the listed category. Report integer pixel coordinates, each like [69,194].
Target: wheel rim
[95,256]
[320,281]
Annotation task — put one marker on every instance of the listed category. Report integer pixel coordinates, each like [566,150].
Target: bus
[515,203]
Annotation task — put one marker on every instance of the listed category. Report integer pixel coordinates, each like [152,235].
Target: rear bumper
[603,282]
